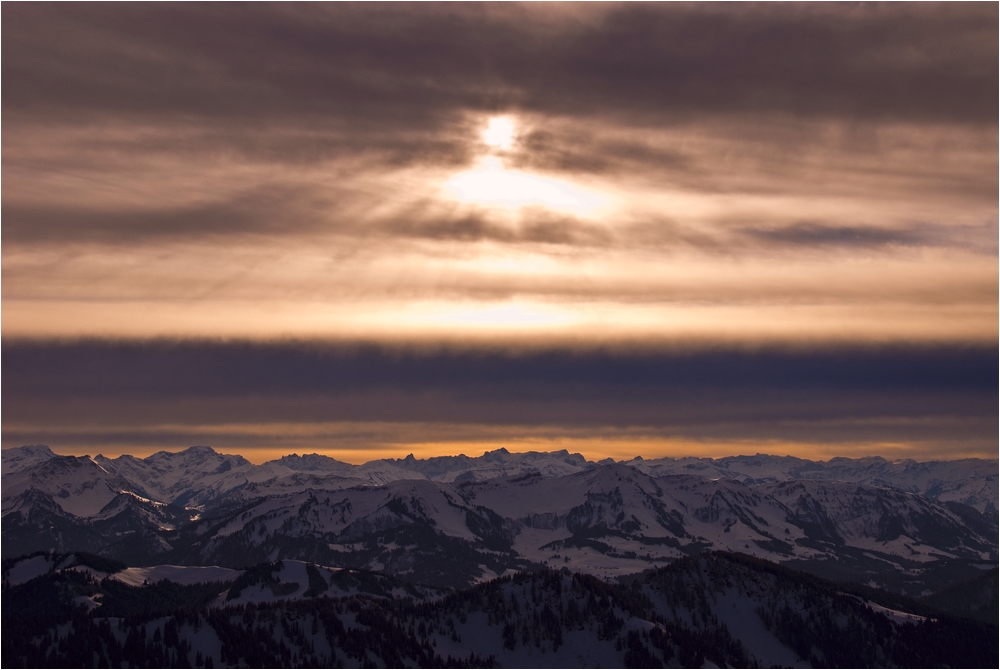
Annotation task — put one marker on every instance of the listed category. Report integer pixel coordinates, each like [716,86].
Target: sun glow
[491,318]
[500,133]
[492,184]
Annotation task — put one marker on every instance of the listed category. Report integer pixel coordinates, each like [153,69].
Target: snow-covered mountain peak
[312,463]
[497,454]
[78,485]
[492,464]
[200,475]
[457,519]
[196,457]
[182,477]
[19,458]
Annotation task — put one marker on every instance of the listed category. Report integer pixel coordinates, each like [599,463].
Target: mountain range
[913,527]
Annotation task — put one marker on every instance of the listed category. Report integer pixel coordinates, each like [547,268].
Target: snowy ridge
[970,481]
[184,477]
[15,460]
[610,521]
[495,464]
[199,475]
[80,486]
[455,521]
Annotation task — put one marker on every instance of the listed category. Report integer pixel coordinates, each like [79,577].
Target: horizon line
[423,458]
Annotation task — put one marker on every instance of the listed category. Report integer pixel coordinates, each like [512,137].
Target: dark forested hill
[719,608]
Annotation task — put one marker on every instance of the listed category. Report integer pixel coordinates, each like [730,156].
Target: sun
[500,133]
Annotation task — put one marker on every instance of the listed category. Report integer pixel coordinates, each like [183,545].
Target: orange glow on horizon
[591,449]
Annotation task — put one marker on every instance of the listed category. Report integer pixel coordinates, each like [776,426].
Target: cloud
[234,368]
[312,393]
[194,122]
[765,173]
[980,238]
[255,212]
[406,65]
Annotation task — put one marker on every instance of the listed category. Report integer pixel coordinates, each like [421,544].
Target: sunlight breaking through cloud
[493,185]
[506,176]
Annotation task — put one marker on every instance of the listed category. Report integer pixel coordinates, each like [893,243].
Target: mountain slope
[69,503]
[609,521]
[614,519]
[972,482]
[717,609]
[22,458]
[190,477]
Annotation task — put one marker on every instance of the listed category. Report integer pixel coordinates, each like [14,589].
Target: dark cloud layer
[311,381]
[407,65]
[249,213]
[283,210]
[982,238]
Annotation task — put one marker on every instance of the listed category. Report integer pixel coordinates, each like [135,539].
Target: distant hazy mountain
[453,521]
[199,474]
[969,481]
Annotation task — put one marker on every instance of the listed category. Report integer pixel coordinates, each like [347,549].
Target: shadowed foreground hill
[718,608]
[976,598]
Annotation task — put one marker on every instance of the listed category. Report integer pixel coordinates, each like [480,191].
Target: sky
[619,229]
